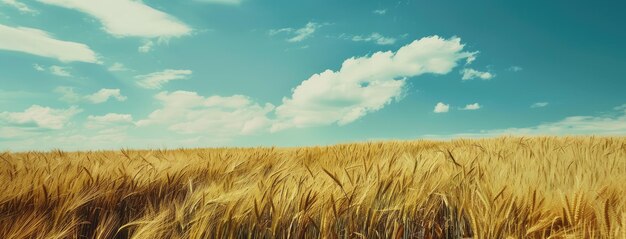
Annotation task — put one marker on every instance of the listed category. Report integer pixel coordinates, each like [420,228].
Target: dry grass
[568,187]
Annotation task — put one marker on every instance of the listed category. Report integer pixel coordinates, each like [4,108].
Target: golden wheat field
[507,187]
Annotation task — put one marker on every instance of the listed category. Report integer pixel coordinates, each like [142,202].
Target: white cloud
[23,8]
[305,32]
[539,105]
[573,125]
[298,35]
[117,67]
[157,79]
[188,113]
[515,68]
[380,11]
[38,67]
[101,96]
[470,59]
[225,2]
[146,47]
[60,71]
[377,38]
[469,74]
[365,84]
[31,40]
[272,32]
[39,116]
[474,106]
[127,18]
[109,120]
[441,108]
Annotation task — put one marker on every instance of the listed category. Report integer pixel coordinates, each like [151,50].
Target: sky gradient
[82,75]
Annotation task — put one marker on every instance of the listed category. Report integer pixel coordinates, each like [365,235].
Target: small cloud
[103,95]
[272,32]
[157,79]
[375,37]
[146,47]
[380,11]
[300,34]
[539,105]
[470,74]
[442,108]
[474,106]
[39,67]
[60,71]
[515,68]
[117,67]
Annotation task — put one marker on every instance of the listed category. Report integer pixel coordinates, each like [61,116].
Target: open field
[566,187]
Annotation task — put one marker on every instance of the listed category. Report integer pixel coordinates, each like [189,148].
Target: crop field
[507,187]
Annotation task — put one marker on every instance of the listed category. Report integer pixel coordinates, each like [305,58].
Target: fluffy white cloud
[539,105]
[101,96]
[474,106]
[127,18]
[60,71]
[19,6]
[39,116]
[441,108]
[377,38]
[365,84]
[109,120]
[300,34]
[117,67]
[157,79]
[515,68]
[469,74]
[188,113]
[380,11]
[31,40]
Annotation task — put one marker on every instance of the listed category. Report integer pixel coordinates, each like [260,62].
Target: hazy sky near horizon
[110,74]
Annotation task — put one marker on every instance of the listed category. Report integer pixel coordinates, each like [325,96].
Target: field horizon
[504,187]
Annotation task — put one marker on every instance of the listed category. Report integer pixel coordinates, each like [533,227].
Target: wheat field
[507,187]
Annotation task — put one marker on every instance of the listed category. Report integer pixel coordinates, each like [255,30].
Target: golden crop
[508,187]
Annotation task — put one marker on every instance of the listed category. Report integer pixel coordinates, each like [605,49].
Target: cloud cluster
[365,84]
[298,35]
[470,74]
[39,116]
[188,113]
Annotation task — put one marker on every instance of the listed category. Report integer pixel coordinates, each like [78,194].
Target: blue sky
[109,74]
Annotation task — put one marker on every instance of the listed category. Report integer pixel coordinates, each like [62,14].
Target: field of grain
[508,187]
